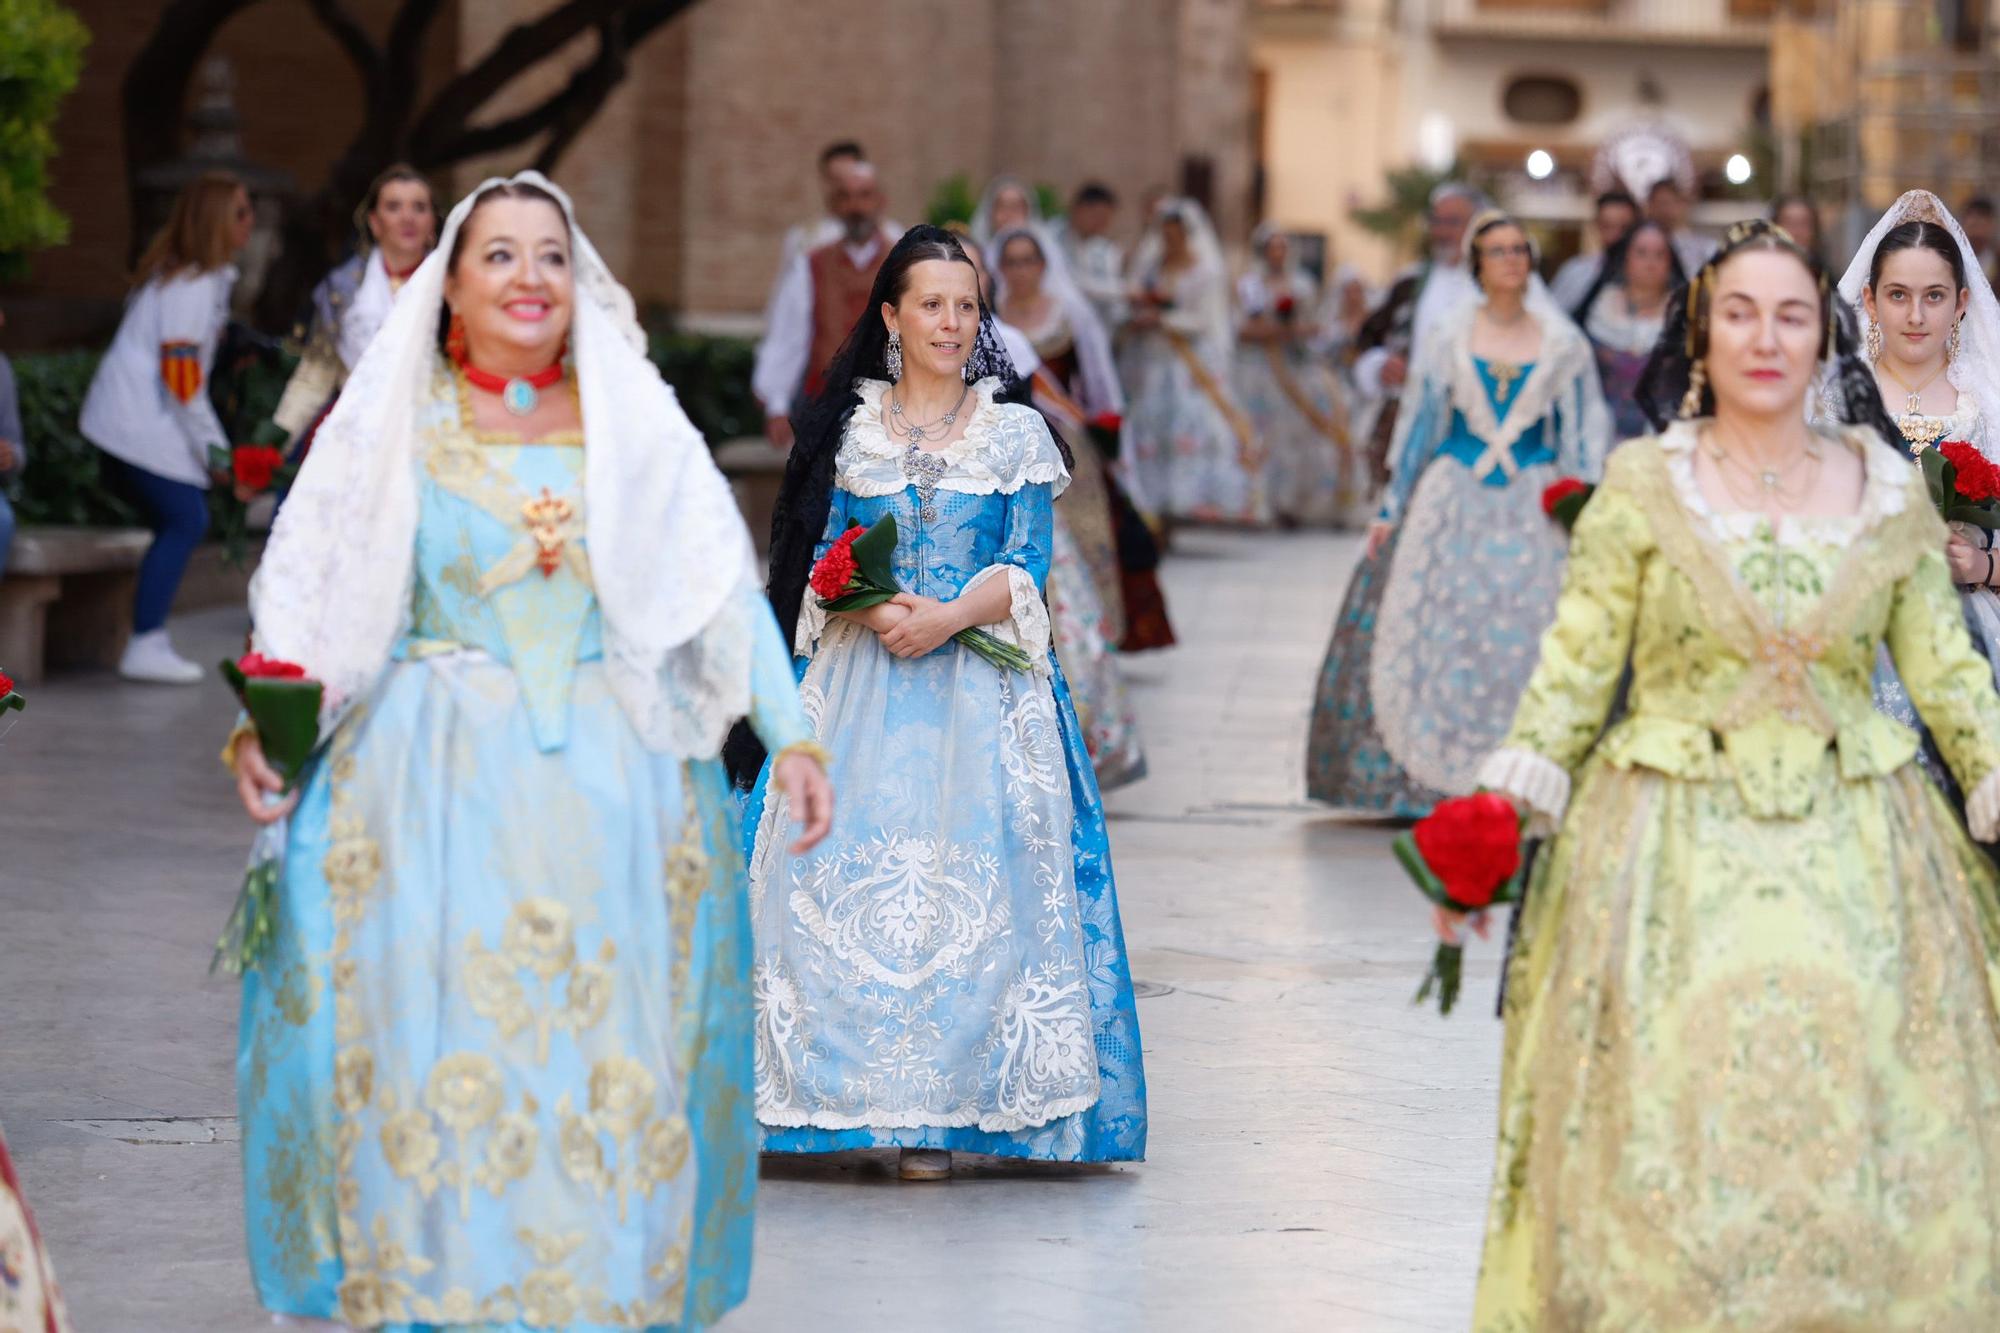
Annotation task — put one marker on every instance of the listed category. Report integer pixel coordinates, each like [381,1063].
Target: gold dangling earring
[1697,381]
[1951,343]
[1874,342]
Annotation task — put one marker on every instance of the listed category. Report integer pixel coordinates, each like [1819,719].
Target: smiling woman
[949,973]
[496,1058]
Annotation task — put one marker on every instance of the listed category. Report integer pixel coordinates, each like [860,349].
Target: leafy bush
[951,201]
[711,376]
[63,482]
[41,55]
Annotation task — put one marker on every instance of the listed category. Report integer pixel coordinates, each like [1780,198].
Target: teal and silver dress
[496,1069]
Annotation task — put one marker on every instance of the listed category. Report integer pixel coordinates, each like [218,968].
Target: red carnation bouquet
[1286,309]
[253,469]
[1964,486]
[1465,856]
[857,572]
[283,704]
[10,698]
[1565,498]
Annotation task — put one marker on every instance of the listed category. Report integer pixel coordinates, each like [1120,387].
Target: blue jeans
[178,515]
[6,531]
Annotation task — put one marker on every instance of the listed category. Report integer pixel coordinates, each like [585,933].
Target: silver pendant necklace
[919,434]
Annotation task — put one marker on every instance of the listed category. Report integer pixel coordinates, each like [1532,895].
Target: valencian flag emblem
[180,370]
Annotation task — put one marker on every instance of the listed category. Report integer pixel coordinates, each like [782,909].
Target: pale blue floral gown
[947,969]
[495,1071]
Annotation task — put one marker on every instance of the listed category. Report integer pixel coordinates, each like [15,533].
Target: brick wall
[690,175]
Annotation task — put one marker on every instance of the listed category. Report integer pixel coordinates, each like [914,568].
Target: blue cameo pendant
[519,397]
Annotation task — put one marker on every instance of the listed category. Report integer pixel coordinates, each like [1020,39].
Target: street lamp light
[1737,169]
[1541,165]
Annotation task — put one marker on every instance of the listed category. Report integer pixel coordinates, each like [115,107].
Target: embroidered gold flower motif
[365,1299]
[540,937]
[494,989]
[589,995]
[353,1079]
[665,1149]
[409,1145]
[457,1307]
[621,1094]
[352,866]
[347,1195]
[548,1298]
[464,1090]
[582,1151]
[510,1152]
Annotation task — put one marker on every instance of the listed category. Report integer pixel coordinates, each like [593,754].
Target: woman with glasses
[1438,633]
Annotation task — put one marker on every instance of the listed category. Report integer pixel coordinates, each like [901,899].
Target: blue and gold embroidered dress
[495,1070]
[947,970]
[1437,634]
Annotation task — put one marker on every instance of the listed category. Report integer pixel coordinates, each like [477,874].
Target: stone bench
[755,471]
[66,599]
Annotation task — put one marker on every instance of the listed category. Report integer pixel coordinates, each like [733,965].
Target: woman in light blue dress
[946,973]
[1444,617]
[495,1065]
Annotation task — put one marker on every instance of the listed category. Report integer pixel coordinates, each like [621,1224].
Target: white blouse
[129,412]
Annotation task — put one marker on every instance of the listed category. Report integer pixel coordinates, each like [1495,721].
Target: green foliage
[1048,200]
[711,377]
[952,201]
[41,56]
[1401,216]
[63,482]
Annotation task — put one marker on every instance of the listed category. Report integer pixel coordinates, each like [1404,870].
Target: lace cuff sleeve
[1027,623]
[812,624]
[1538,783]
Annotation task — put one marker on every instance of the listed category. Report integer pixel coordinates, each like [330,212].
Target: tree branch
[354,41]
[525,45]
[155,87]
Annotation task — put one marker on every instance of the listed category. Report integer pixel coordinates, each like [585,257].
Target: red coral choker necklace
[519,394]
[401,274]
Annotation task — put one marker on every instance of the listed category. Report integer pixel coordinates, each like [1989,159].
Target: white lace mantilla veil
[1976,368]
[1218,327]
[668,547]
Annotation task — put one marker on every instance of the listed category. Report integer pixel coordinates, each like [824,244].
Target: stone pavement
[1319,1149]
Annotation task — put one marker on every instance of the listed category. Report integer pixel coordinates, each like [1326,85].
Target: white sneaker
[151,657]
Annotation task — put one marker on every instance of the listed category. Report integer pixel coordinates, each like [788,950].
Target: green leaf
[1426,880]
[875,553]
[1567,510]
[1937,475]
[13,703]
[234,675]
[1980,516]
[286,713]
[858,601]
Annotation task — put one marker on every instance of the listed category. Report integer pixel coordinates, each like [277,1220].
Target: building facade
[690,174]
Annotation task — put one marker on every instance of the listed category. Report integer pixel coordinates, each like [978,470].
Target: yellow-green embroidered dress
[1752,1072]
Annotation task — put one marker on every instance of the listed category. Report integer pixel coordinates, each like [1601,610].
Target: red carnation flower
[1974,478]
[258,666]
[1558,491]
[6,684]
[831,572]
[1286,305]
[254,465]
[1110,422]
[1473,845]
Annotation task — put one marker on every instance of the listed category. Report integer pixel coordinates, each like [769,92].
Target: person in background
[1616,212]
[148,407]
[1420,295]
[1622,315]
[398,224]
[13,447]
[1094,258]
[820,297]
[1796,214]
[1669,205]
[1977,217]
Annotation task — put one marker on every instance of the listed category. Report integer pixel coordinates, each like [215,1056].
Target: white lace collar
[1005,446]
[1556,366]
[1885,491]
